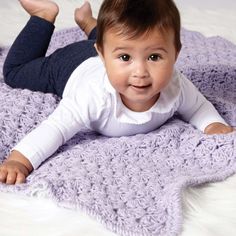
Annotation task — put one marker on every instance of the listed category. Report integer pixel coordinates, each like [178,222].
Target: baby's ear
[99,51]
[177,53]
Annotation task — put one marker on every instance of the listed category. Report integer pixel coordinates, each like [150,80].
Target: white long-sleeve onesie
[90,101]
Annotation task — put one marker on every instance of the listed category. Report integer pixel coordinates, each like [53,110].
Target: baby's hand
[218,128]
[15,169]
[13,172]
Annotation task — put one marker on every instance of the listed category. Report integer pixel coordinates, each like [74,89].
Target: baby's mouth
[141,86]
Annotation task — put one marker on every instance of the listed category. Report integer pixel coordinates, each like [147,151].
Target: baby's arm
[198,111]
[41,143]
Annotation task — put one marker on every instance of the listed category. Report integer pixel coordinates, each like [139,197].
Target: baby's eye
[154,57]
[125,57]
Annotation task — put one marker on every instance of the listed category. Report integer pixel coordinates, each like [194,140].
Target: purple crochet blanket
[132,184]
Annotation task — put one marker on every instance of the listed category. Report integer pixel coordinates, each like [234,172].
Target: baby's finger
[11,177]
[20,178]
[3,175]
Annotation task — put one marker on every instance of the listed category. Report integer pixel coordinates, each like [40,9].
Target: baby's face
[139,68]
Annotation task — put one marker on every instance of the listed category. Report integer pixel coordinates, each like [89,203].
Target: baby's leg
[84,18]
[26,65]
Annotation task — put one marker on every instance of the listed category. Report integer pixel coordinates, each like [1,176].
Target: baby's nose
[140,70]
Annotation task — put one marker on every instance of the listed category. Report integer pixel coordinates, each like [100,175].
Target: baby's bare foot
[45,9]
[84,18]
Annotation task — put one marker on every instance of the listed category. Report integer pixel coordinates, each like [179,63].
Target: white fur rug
[209,210]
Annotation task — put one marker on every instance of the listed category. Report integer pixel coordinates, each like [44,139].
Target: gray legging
[26,65]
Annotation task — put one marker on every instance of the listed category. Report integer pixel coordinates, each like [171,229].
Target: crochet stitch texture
[131,184]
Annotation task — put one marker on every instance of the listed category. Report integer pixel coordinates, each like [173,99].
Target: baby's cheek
[164,81]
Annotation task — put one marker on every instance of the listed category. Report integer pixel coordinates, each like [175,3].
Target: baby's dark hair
[136,17]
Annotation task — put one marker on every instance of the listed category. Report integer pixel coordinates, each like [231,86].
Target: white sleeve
[82,103]
[195,108]
[59,127]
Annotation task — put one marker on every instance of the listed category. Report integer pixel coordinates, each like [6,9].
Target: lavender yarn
[131,184]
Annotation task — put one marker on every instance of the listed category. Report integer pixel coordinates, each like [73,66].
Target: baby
[121,81]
